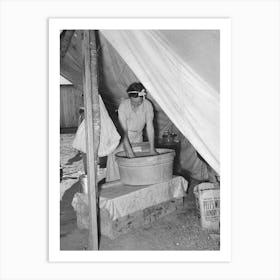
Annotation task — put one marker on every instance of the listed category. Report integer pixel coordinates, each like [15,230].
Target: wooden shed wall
[70,102]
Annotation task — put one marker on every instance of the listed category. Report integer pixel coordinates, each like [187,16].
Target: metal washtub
[146,169]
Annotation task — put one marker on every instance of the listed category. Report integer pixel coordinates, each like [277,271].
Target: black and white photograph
[140,140]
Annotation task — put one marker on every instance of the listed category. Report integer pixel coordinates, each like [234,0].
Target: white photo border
[222,24]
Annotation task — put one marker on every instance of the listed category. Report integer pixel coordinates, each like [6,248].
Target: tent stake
[92,119]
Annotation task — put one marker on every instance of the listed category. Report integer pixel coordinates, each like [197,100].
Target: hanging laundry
[109,137]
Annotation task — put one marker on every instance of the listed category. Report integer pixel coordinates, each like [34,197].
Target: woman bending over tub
[135,113]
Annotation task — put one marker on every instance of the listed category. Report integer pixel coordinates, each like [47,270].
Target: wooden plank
[62,111]
[70,102]
[92,119]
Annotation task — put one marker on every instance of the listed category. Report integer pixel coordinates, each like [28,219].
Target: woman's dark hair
[135,87]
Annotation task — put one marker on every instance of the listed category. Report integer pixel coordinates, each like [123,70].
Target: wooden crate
[114,228]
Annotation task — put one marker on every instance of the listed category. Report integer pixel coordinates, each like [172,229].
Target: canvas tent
[179,68]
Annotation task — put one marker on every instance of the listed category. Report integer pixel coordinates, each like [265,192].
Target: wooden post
[92,120]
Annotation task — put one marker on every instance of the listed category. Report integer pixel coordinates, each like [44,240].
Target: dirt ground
[180,230]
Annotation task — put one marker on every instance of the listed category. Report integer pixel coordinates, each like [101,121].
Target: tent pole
[92,120]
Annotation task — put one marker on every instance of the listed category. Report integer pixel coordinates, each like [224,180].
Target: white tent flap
[190,103]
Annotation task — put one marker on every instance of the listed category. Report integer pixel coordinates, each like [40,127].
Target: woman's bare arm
[127,147]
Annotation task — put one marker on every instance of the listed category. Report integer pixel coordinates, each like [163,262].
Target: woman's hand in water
[130,154]
[153,152]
